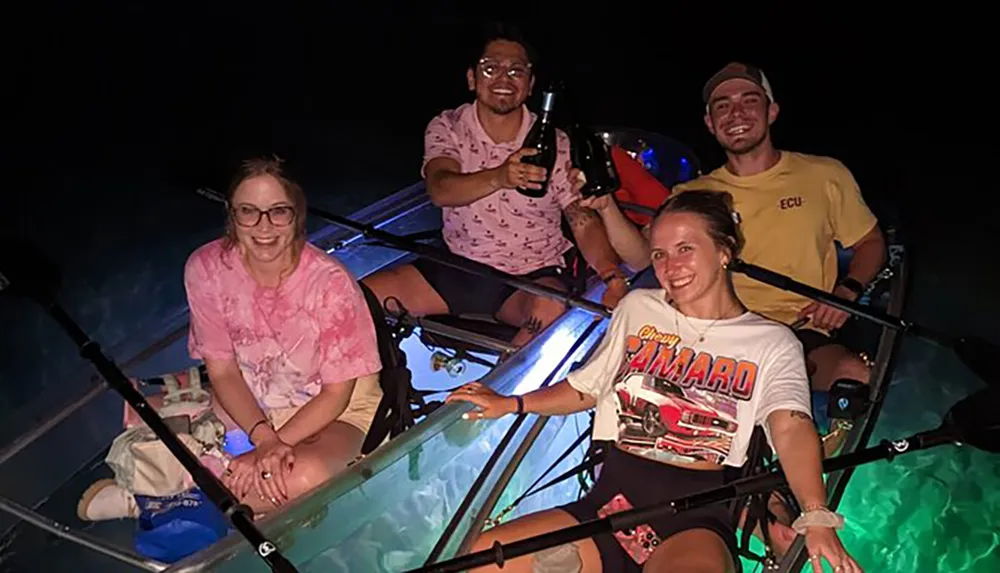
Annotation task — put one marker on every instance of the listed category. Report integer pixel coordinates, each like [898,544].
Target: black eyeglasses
[250,216]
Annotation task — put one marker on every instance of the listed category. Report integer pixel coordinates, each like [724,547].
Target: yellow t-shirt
[790,216]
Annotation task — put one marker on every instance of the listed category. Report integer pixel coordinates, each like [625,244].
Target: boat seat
[476,324]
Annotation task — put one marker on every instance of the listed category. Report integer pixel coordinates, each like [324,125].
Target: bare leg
[406,284]
[833,362]
[532,313]
[530,526]
[691,551]
[317,459]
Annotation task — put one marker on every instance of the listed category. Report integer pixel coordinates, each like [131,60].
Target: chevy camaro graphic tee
[665,394]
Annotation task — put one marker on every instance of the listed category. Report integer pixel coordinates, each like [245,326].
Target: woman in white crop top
[683,375]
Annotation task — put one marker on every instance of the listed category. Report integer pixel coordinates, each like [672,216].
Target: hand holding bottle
[516,174]
[577,180]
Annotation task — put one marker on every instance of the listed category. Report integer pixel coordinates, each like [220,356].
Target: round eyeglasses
[493,69]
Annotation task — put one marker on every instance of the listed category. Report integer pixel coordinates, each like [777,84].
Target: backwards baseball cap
[737,70]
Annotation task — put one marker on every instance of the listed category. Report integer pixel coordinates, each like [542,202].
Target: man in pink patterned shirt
[472,168]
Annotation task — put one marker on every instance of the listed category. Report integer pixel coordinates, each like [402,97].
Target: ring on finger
[265,474]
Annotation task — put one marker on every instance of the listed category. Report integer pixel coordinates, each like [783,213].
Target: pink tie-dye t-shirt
[506,230]
[313,329]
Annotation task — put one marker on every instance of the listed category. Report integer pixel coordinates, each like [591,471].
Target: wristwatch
[852,285]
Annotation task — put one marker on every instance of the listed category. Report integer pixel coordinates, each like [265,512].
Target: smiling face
[740,116]
[263,219]
[502,79]
[686,260]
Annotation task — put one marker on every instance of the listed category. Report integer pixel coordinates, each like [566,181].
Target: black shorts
[467,293]
[645,482]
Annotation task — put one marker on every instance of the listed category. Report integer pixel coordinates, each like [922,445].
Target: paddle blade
[978,355]
[975,420]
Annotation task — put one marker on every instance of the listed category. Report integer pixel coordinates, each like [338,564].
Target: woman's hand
[239,474]
[274,464]
[823,543]
[491,405]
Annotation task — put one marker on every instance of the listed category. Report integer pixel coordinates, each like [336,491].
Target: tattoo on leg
[532,325]
[579,217]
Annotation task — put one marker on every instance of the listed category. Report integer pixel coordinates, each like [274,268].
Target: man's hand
[577,180]
[617,289]
[827,317]
[514,174]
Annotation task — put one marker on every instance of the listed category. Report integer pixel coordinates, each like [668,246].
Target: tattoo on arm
[532,325]
[579,217]
[580,394]
[798,414]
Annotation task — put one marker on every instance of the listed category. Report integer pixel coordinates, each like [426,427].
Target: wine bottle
[542,137]
[592,155]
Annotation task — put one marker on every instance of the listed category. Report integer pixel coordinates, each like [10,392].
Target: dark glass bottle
[592,155]
[543,138]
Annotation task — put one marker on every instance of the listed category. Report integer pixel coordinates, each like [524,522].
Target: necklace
[701,334]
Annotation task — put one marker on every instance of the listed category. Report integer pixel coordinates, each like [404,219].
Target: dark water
[130,109]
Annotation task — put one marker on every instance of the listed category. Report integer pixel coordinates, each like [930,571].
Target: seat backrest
[394,414]
[758,459]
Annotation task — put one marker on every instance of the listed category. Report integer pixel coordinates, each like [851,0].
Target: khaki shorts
[360,410]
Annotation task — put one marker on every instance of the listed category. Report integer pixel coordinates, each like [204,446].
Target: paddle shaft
[461,263]
[240,515]
[445,257]
[783,282]
[500,553]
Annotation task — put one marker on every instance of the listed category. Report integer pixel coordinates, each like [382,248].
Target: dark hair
[716,208]
[494,31]
[256,167]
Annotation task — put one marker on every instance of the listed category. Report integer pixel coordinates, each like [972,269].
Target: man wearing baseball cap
[792,206]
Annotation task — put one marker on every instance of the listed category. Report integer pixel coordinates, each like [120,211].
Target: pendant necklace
[701,334]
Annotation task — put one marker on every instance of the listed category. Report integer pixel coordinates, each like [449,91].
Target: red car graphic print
[657,415]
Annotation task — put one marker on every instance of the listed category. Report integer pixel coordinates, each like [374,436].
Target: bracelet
[615,274]
[254,427]
[520,404]
[818,518]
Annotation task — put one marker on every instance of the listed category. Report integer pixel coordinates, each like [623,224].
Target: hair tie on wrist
[254,427]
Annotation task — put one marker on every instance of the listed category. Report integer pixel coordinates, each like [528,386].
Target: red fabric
[638,185]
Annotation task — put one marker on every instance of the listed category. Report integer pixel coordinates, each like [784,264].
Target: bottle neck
[548,103]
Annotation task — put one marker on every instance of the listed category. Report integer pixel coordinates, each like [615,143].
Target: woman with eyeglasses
[289,344]
[287,338]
